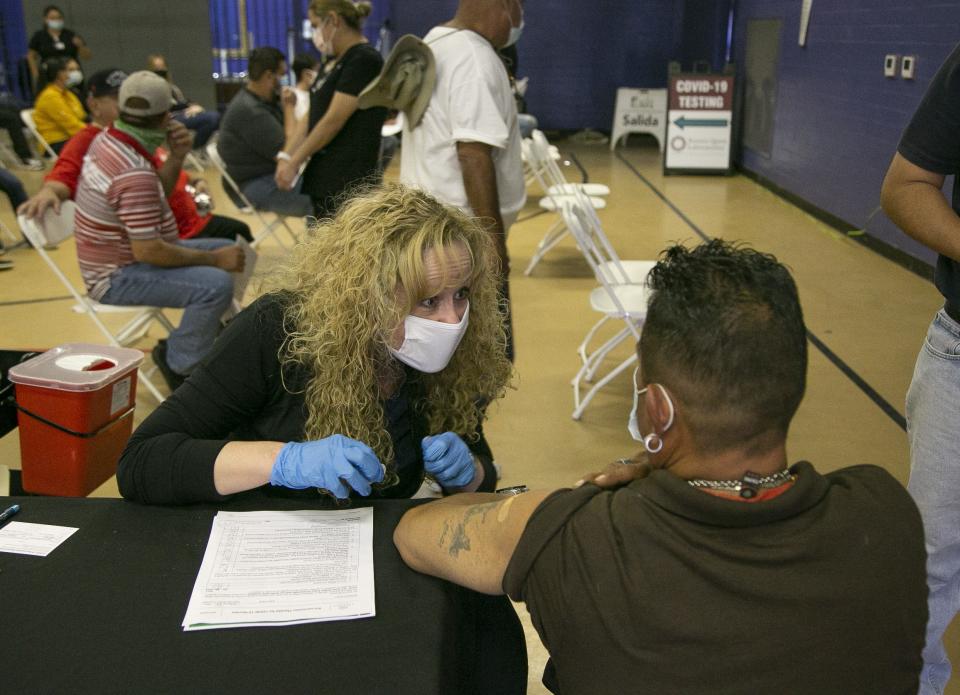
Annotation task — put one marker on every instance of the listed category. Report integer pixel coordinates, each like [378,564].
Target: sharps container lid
[76,367]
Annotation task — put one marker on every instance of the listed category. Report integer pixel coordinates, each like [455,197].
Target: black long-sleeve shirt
[237,394]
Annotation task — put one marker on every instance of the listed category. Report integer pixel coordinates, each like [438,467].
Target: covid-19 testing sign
[699,124]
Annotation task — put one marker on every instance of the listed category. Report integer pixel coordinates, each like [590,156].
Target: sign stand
[640,111]
[699,124]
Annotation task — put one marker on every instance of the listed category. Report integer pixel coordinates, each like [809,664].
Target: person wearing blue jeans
[11,185]
[932,401]
[928,152]
[253,131]
[203,292]
[126,234]
[203,124]
[265,195]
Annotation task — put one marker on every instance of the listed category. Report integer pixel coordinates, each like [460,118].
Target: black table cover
[102,614]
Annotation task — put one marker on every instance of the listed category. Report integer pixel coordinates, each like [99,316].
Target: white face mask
[634,426]
[515,32]
[428,345]
[74,77]
[325,46]
[55,24]
[318,40]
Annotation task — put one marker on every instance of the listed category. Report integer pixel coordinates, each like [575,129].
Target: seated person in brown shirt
[706,564]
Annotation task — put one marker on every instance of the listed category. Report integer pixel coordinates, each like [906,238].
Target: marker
[7,513]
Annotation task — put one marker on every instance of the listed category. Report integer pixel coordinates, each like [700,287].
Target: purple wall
[838,119]
[576,54]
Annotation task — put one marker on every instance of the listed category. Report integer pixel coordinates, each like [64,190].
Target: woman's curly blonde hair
[352,283]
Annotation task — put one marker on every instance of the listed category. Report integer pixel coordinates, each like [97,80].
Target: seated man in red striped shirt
[61,183]
[126,235]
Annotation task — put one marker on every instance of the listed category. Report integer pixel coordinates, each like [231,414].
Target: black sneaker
[159,354]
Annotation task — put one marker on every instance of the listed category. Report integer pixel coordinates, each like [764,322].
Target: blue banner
[14,74]
[239,26]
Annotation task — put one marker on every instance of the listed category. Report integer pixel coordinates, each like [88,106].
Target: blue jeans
[264,194]
[204,124]
[527,124]
[11,185]
[204,292]
[933,428]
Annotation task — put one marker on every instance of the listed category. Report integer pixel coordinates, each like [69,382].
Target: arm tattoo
[443,533]
[461,539]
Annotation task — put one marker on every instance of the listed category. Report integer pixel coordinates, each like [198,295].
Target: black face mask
[162,73]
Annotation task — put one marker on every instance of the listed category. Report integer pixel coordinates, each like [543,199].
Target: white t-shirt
[472,101]
[303,103]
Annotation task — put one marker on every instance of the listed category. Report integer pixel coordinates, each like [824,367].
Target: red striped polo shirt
[119,199]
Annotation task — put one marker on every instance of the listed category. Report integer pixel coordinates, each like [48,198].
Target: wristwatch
[285,156]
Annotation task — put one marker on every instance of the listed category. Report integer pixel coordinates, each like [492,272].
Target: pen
[10,511]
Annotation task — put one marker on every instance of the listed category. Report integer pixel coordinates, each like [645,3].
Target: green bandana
[150,138]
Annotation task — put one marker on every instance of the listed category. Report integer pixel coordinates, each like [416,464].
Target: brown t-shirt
[659,588]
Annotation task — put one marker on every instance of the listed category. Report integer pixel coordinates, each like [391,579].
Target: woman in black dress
[340,141]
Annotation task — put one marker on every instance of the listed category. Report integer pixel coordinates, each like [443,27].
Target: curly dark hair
[725,334]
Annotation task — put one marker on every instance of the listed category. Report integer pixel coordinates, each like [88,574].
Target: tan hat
[151,88]
[406,81]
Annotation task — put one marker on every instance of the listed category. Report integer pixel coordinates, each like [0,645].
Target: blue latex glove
[332,463]
[447,458]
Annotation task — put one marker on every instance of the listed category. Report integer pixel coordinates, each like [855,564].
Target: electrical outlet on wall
[890,65]
[908,67]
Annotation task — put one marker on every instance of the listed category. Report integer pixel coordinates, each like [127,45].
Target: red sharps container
[75,411]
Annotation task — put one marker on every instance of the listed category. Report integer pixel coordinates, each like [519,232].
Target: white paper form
[32,539]
[284,568]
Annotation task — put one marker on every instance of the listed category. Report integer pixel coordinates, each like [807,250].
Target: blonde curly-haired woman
[367,367]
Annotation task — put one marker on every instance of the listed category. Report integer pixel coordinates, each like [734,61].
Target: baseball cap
[105,82]
[148,86]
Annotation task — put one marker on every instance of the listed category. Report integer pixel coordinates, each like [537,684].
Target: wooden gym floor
[866,316]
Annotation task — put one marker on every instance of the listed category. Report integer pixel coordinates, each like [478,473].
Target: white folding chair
[53,230]
[194,162]
[26,115]
[547,173]
[269,228]
[533,172]
[552,179]
[618,298]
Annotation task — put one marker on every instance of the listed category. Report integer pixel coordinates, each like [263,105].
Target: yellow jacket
[58,114]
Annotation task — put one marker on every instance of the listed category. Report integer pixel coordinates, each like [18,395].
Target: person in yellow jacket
[58,113]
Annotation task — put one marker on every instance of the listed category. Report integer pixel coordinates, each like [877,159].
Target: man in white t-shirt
[466,149]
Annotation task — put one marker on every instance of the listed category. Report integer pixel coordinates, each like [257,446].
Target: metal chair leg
[600,354]
[581,405]
[554,236]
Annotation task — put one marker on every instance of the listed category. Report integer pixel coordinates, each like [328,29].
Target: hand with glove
[335,463]
[448,460]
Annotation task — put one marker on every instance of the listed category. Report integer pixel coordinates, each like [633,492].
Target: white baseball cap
[150,87]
